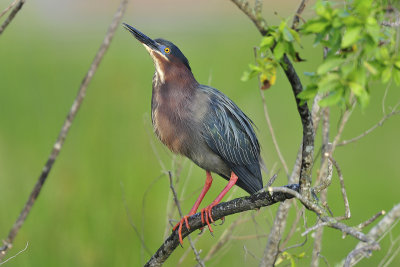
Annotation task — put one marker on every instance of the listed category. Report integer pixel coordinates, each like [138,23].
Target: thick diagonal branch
[256,201]
[64,130]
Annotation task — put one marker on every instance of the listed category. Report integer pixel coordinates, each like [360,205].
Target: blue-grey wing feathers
[230,134]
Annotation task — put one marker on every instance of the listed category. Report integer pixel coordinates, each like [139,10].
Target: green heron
[201,123]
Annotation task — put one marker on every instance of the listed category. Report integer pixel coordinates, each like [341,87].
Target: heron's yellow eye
[166,50]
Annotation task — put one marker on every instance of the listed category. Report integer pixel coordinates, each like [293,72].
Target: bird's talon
[180,234]
[186,222]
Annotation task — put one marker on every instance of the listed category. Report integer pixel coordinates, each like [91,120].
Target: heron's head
[164,53]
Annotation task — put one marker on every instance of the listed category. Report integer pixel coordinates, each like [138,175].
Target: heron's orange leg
[207,210]
[196,205]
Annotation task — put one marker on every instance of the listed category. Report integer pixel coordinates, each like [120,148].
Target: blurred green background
[110,153]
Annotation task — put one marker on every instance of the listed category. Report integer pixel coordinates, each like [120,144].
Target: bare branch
[385,224]
[19,252]
[324,173]
[271,250]
[253,202]
[8,8]
[362,250]
[65,128]
[380,123]
[391,23]
[268,119]
[347,214]
[259,21]
[293,228]
[300,10]
[370,220]
[12,15]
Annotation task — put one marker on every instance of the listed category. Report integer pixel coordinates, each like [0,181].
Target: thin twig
[305,240]
[370,220]
[145,194]
[362,250]
[347,213]
[259,21]
[300,10]
[271,180]
[315,227]
[19,252]
[380,123]
[272,248]
[389,261]
[8,8]
[379,230]
[65,128]
[225,237]
[343,122]
[270,127]
[325,173]
[293,228]
[246,251]
[178,205]
[128,214]
[12,15]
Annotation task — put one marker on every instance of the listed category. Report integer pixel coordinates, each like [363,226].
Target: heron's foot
[206,215]
[179,226]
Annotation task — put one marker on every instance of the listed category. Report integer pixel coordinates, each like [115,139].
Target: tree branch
[380,123]
[12,15]
[64,129]
[377,231]
[256,201]
[255,17]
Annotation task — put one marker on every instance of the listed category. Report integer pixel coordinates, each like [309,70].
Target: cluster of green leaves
[278,41]
[359,50]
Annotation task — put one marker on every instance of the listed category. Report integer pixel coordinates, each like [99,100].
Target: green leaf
[255,68]
[296,35]
[279,50]
[351,36]
[386,74]
[287,35]
[384,53]
[316,26]
[337,23]
[356,88]
[396,76]
[332,99]
[329,82]
[363,99]
[309,92]
[397,64]
[329,64]
[267,42]
[282,26]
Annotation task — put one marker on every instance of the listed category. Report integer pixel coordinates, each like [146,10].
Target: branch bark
[12,15]
[256,201]
[64,130]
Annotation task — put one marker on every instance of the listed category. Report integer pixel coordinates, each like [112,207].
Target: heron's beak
[141,37]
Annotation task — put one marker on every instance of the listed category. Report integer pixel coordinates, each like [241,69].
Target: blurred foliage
[359,50]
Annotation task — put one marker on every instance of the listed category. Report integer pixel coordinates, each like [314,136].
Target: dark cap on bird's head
[162,51]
